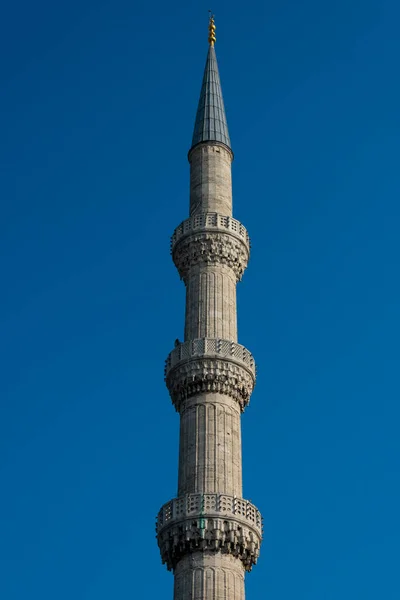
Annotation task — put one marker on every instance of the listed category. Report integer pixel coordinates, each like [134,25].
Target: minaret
[209,536]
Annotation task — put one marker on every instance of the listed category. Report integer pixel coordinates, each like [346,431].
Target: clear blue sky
[97,105]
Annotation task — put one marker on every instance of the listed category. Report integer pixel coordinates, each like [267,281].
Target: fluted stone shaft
[210,291]
[201,576]
[210,453]
[211,303]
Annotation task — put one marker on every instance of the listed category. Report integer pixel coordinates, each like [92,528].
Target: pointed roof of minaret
[211,124]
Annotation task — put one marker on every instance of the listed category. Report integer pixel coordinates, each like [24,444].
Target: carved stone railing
[210,365]
[209,522]
[210,221]
[210,239]
[210,347]
[212,504]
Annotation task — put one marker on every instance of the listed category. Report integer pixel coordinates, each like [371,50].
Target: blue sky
[97,106]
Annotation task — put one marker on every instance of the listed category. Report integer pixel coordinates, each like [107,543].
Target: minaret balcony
[209,523]
[210,365]
[210,239]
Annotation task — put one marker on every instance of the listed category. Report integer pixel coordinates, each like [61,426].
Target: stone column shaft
[210,453]
[211,303]
[209,577]
[210,179]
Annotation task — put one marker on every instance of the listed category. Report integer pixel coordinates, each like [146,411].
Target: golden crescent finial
[211,31]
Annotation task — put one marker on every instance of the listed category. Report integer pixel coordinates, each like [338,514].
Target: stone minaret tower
[209,535]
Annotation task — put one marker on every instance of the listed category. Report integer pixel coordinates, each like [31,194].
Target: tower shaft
[209,535]
[211,287]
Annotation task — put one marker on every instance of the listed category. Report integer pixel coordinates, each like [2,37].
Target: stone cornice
[209,144]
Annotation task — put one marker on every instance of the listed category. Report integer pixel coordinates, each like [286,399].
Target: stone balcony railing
[217,505]
[211,348]
[213,222]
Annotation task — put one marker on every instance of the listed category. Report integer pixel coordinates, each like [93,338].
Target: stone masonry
[209,536]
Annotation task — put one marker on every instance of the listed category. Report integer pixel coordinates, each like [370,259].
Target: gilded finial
[211,30]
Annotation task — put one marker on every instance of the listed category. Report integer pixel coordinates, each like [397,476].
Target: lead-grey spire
[211,124]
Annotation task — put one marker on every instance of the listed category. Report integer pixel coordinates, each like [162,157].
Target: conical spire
[211,125]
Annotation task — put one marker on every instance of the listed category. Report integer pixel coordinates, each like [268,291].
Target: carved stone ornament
[210,365]
[211,248]
[210,375]
[212,523]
